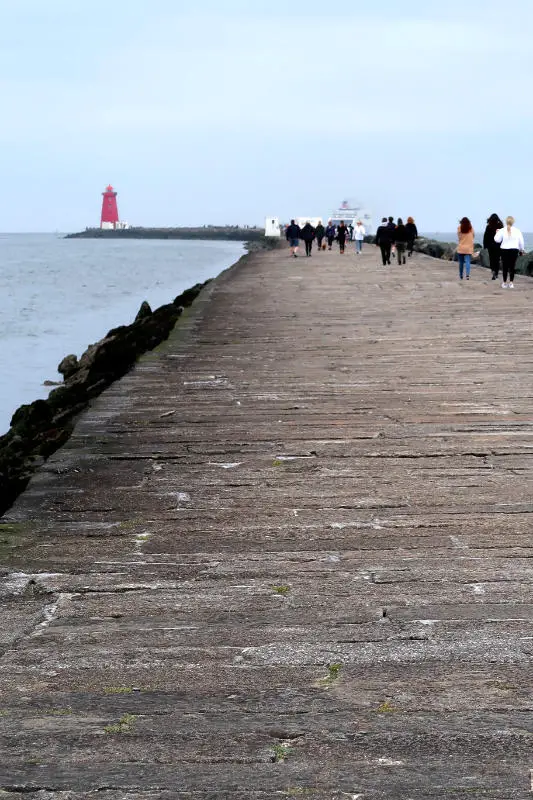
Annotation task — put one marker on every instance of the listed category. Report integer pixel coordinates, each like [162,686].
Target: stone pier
[290,554]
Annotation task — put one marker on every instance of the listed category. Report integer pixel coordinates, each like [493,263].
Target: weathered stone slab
[289,555]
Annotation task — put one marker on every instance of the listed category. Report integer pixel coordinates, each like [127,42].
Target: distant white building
[272,227]
[114,226]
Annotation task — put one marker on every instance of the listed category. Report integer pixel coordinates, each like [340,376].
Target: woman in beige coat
[465,248]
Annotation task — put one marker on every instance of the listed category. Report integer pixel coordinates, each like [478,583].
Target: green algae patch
[387,708]
[124,725]
[13,536]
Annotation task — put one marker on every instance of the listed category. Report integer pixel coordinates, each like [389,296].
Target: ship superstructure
[350,213]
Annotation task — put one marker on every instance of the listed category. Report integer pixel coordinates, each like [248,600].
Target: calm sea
[60,295]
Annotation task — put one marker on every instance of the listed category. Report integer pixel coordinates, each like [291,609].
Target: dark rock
[524,265]
[68,366]
[144,311]
[431,247]
[187,297]
[28,417]
[66,396]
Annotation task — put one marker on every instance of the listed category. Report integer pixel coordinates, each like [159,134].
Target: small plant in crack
[280,752]
[386,708]
[124,725]
[118,689]
[333,674]
[281,589]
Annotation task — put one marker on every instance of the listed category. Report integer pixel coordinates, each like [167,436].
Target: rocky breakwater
[447,252]
[40,428]
[429,247]
[230,233]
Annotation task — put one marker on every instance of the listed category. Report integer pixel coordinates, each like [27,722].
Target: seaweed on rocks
[38,429]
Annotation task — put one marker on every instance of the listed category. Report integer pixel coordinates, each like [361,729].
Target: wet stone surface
[289,555]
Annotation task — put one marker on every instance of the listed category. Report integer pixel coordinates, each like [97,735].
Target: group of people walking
[400,237]
[324,236]
[504,242]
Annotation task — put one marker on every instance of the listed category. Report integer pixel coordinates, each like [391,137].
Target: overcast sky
[224,111]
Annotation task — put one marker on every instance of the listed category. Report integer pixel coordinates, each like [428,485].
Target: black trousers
[508,263]
[308,246]
[319,242]
[495,255]
[342,243]
[410,246]
[385,252]
[331,239]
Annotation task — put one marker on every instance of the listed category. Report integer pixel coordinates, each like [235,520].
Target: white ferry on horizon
[351,213]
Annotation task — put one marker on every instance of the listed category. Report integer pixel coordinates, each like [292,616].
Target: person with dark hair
[412,234]
[342,233]
[391,227]
[292,234]
[494,224]
[512,242]
[308,234]
[330,234]
[400,240]
[319,233]
[384,241]
[465,248]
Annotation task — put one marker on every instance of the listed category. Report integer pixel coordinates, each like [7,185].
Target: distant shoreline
[222,233]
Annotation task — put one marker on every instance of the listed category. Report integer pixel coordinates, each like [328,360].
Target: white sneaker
[504,286]
[511,286]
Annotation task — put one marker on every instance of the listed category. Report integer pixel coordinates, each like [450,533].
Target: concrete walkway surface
[290,554]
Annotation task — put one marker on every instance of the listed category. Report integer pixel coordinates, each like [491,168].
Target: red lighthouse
[109,218]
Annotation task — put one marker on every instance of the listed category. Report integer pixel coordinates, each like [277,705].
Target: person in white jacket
[359,235]
[512,244]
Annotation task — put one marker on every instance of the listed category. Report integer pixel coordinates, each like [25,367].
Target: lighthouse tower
[109,218]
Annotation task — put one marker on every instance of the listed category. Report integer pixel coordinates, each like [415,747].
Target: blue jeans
[358,245]
[464,261]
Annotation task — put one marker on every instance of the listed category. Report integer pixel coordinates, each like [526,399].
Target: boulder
[32,416]
[144,311]
[68,366]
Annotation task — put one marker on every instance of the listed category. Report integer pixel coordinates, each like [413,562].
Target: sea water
[59,295]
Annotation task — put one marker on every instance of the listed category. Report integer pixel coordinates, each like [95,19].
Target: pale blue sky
[228,111]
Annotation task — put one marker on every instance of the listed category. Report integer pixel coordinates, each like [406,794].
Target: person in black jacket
[391,226]
[494,224]
[342,233]
[400,240]
[308,234]
[292,234]
[331,232]
[319,233]
[384,240]
[412,234]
